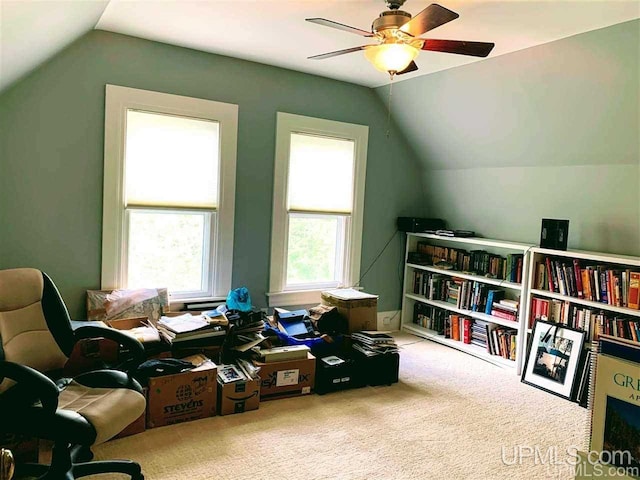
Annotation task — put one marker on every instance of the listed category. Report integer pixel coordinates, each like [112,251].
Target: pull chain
[389,108]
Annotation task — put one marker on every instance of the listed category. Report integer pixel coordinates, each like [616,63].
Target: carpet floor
[451,416]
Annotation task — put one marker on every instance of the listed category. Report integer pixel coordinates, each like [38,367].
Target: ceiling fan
[397,35]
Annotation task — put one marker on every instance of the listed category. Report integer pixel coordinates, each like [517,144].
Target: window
[169,192]
[317,212]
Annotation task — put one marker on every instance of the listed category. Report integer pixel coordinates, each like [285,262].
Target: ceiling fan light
[391,57]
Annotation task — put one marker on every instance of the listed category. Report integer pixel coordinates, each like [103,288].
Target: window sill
[294,297]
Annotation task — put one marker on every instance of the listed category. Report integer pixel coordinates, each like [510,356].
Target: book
[493,296]
[184,323]
[615,401]
[466,330]
[455,327]
[230,373]
[634,289]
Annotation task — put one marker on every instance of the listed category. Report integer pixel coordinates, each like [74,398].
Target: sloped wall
[51,137]
[548,132]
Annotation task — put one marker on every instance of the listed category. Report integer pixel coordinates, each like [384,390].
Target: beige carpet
[451,416]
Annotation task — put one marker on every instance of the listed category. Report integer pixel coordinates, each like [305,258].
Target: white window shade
[321,173]
[171,161]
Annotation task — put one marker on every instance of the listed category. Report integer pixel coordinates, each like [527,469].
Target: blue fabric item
[319,347]
[239,299]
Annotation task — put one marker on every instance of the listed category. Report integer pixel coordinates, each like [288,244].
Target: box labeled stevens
[359,308]
[287,379]
[183,397]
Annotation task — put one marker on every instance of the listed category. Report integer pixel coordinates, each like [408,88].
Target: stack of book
[506,309]
[189,327]
[246,331]
[373,343]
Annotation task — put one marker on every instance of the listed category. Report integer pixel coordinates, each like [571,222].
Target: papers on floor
[188,327]
[374,343]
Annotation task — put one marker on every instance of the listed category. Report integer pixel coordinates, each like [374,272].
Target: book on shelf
[612,285]
[634,289]
[493,295]
[455,326]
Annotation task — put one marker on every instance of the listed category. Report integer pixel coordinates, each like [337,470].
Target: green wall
[51,158]
[552,131]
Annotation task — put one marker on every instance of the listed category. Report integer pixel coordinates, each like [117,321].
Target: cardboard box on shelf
[287,379]
[359,308]
[184,396]
[238,397]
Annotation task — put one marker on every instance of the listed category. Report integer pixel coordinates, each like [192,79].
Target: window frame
[118,100]
[288,124]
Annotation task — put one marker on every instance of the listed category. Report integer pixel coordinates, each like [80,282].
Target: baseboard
[389,320]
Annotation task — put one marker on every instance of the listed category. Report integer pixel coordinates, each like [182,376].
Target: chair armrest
[45,389]
[135,349]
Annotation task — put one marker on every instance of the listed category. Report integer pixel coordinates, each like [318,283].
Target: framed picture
[553,358]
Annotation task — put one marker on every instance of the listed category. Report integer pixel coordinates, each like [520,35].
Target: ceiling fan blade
[322,56]
[431,17]
[474,49]
[411,68]
[339,26]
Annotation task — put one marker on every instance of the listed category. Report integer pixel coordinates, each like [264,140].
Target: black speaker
[415,224]
[554,234]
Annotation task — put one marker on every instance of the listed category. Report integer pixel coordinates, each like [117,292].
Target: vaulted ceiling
[275,32]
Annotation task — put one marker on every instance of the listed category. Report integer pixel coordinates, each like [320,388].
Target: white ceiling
[274,32]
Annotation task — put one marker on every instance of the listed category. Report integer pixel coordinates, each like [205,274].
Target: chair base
[64,468]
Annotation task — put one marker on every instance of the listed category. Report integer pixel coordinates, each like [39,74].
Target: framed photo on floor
[553,358]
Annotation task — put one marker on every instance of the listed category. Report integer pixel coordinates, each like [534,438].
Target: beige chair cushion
[109,410]
[24,333]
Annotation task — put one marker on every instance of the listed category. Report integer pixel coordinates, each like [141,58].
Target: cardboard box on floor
[238,397]
[287,379]
[184,396]
[137,426]
[361,313]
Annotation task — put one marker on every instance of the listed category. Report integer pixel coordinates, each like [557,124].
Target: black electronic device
[415,224]
[554,233]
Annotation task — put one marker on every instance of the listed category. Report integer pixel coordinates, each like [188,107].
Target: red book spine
[578,275]
[466,332]
[547,262]
[506,316]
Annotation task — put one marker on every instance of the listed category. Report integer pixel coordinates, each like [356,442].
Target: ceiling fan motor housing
[392,19]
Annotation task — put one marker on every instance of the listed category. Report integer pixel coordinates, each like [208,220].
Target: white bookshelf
[585,258]
[518,290]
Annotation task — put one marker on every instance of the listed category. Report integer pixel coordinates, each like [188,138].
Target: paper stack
[188,327]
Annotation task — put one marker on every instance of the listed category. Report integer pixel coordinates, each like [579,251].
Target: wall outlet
[386,320]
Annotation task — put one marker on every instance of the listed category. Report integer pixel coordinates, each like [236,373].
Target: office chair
[36,339]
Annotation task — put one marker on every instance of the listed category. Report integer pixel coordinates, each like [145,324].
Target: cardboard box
[361,314]
[23,447]
[238,397]
[287,379]
[137,426]
[182,397]
[147,303]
